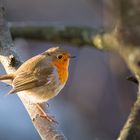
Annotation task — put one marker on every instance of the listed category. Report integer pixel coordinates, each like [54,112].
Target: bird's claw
[49,118]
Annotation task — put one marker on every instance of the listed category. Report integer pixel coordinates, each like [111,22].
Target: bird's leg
[44,114]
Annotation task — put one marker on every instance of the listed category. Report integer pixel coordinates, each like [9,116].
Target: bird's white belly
[40,94]
[45,92]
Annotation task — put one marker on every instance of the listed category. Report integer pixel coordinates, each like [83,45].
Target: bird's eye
[60,56]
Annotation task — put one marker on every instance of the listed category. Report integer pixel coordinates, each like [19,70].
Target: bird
[42,77]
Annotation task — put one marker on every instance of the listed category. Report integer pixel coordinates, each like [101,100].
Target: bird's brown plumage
[42,76]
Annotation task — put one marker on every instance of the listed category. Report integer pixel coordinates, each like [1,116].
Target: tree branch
[74,35]
[131,129]
[131,55]
[124,40]
[11,62]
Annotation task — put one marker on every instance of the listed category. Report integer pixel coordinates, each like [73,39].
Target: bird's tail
[8,80]
[7,77]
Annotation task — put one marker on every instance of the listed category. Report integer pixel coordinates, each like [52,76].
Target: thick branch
[60,34]
[10,61]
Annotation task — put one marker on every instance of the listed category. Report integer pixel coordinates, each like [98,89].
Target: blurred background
[97,99]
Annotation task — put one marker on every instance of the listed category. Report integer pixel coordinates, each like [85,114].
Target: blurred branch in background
[74,35]
[123,39]
[11,62]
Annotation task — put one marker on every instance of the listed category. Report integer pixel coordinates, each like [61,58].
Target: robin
[42,76]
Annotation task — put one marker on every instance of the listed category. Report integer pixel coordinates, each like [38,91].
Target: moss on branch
[74,35]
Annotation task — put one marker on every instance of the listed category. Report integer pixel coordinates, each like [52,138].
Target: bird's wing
[27,80]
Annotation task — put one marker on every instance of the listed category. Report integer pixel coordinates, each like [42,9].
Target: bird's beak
[73,56]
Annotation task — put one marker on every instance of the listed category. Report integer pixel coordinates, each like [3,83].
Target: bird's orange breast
[62,69]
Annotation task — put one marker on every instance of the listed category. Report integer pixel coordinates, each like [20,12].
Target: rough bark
[11,61]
